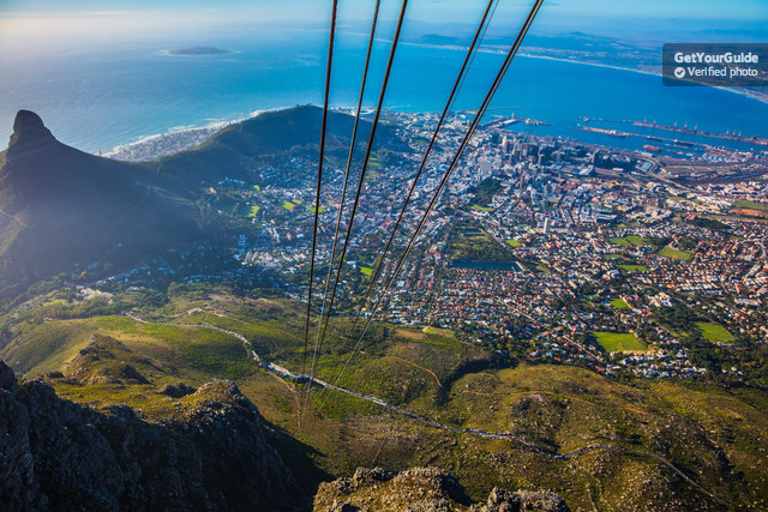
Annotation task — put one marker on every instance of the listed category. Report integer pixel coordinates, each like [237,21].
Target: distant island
[197,50]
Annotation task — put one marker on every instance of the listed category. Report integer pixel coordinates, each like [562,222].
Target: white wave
[257,113]
[124,151]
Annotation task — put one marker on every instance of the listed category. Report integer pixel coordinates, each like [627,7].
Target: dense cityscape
[545,248]
[384,256]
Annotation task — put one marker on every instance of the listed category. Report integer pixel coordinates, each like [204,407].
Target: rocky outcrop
[58,455]
[30,136]
[505,501]
[422,490]
[178,390]
[100,362]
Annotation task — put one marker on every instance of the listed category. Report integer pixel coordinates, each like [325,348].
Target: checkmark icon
[679,73]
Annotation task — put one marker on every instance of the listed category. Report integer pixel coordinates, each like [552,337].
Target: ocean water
[104,97]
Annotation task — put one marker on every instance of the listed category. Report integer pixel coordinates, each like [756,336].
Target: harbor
[728,135]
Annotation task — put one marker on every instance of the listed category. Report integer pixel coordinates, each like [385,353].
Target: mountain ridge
[64,210]
[59,455]
[58,203]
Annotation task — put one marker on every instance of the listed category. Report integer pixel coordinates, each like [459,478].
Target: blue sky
[28,23]
[426,9]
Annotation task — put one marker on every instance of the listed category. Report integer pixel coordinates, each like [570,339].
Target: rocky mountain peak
[29,136]
[29,124]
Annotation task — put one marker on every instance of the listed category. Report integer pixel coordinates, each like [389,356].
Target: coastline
[740,92]
[151,147]
[164,144]
[177,139]
[762,98]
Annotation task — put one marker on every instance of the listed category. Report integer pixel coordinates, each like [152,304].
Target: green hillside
[64,210]
[233,151]
[599,443]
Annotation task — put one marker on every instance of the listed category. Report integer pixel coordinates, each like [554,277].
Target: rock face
[505,501]
[422,490]
[58,455]
[29,136]
[63,207]
[177,390]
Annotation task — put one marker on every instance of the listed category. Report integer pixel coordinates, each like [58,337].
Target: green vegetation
[485,191]
[750,205]
[514,243]
[638,241]
[714,332]
[420,141]
[634,268]
[475,233]
[619,304]
[676,254]
[312,209]
[567,409]
[254,211]
[715,434]
[620,242]
[471,243]
[619,342]
[46,347]
[430,373]
[631,241]
[440,332]
[482,208]
[225,357]
[706,222]
[377,159]
[51,345]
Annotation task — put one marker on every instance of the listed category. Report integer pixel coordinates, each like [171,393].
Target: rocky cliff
[60,207]
[30,136]
[58,455]
[422,490]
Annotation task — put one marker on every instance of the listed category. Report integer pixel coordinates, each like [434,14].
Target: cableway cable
[458,83]
[476,121]
[353,140]
[324,125]
[374,126]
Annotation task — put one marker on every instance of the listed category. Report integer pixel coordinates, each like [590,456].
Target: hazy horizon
[27,25]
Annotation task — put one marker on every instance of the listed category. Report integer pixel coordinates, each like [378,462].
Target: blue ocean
[104,97]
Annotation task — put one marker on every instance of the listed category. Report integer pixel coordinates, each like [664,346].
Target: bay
[102,98]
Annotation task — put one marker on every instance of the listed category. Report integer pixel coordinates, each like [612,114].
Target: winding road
[284,372]
[14,217]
